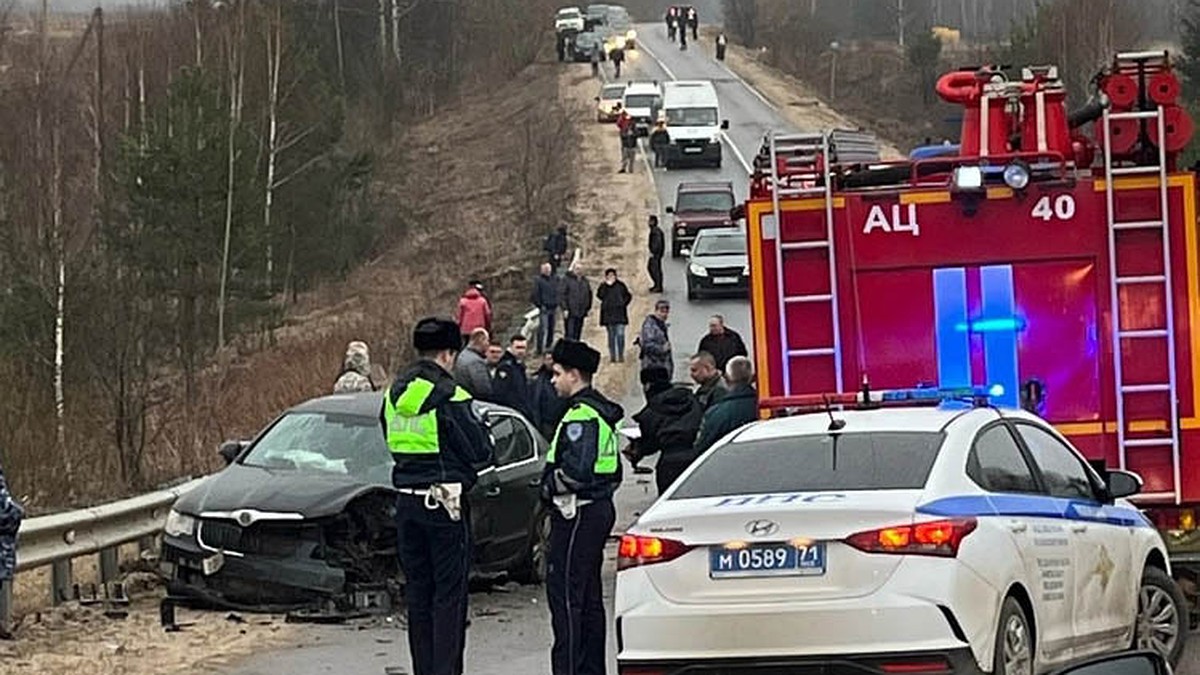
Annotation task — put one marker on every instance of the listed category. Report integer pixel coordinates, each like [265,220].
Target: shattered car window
[348,445]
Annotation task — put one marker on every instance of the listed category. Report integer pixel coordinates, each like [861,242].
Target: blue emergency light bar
[866,398]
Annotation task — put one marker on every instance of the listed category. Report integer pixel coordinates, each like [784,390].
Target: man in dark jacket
[576,302]
[548,408]
[668,425]
[583,470]
[722,342]
[545,297]
[660,138]
[657,246]
[439,440]
[555,247]
[614,298]
[710,385]
[510,385]
[11,514]
[737,408]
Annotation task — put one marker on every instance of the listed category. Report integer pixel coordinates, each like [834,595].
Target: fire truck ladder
[1156,123]
[805,159]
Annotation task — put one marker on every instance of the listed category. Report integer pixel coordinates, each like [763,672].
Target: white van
[642,100]
[693,122]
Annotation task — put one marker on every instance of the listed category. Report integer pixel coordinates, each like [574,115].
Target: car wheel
[1160,615]
[691,293]
[531,569]
[1014,641]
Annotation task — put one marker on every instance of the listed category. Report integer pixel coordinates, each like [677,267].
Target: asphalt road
[510,632]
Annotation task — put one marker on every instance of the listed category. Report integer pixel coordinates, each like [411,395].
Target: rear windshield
[816,463]
[641,100]
[703,201]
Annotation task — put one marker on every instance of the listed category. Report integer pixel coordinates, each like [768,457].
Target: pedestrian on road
[672,19]
[576,302]
[594,57]
[556,246]
[560,47]
[660,138]
[510,384]
[736,409]
[722,342]
[438,439]
[545,297]
[654,341]
[629,145]
[683,35]
[471,370]
[722,41]
[710,386]
[583,470]
[693,22]
[548,408]
[617,56]
[658,247]
[356,370]
[474,311]
[614,298]
[668,425]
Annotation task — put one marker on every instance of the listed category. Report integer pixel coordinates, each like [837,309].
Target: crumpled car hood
[311,494]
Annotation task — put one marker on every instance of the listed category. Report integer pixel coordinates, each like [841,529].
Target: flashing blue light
[942,394]
[1012,324]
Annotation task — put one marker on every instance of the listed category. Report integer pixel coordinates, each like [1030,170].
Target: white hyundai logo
[762,528]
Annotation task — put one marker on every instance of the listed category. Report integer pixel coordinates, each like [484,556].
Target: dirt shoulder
[609,214]
[796,101]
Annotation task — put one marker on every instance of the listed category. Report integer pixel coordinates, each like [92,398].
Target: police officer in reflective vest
[583,471]
[439,440]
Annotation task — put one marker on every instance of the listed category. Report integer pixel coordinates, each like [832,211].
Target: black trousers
[654,267]
[435,555]
[573,588]
[573,327]
[670,466]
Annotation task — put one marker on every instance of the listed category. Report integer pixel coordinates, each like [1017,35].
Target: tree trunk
[383,41]
[60,295]
[274,63]
[341,58]
[237,72]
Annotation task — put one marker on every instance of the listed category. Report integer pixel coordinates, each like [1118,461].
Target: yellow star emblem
[1104,568]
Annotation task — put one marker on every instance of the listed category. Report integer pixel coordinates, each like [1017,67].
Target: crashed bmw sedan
[303,515]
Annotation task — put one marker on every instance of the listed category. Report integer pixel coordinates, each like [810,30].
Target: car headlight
[716,138]
[632,34]
[681,230]
[697,270]
[180,524]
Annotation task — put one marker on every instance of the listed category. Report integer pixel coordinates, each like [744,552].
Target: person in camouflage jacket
[10,521]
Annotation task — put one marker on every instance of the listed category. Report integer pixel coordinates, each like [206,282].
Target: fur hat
[577,355]
[655,375]
[433,334]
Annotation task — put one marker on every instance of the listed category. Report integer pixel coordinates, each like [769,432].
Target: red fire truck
[1051,257]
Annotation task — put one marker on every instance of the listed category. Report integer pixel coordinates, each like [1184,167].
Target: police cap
[433,334]
[577,355]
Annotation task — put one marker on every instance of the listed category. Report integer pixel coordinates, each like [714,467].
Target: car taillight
[636,551]
[937,538]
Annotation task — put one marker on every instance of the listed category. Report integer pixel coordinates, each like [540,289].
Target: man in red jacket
[474,311]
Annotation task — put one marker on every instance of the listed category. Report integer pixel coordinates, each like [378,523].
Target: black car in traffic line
[303,516]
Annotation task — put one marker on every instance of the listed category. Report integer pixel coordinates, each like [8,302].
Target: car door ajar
[998,465]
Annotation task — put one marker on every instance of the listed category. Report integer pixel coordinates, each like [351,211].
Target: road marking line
[657,60]
[737,153]
[747,85]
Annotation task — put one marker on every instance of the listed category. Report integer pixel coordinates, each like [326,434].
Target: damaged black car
[303,516]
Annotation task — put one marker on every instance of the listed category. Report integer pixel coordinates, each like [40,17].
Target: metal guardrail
[57,540]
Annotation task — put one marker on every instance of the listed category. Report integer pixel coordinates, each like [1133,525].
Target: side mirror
[670,209]
[229,450]
[1123,484]
[1128,663]
[724,124]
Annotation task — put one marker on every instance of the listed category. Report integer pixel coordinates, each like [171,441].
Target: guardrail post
[109,565]
[6,604]
[60,581]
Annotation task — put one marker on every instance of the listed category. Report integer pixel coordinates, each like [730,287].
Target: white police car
[944,539]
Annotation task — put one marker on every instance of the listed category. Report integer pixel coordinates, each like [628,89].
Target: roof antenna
[834,423]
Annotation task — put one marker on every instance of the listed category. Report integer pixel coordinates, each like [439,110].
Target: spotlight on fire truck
[1016,175]
[968,179]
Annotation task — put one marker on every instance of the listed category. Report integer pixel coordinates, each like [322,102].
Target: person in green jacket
[736,408]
